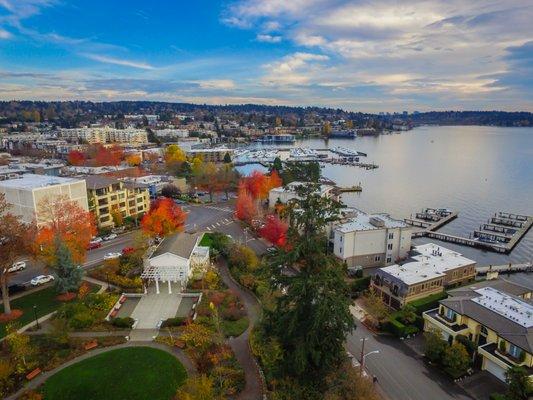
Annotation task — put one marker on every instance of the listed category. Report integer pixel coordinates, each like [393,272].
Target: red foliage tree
[76,157]
[108,156]
[255,184]
[275,231]
[164,218]
[245,208]
[274,180]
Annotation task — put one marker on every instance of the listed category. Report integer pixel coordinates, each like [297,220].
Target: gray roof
[180,244]
[460,301]
[99,182]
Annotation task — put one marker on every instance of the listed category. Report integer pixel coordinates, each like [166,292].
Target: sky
[368,56]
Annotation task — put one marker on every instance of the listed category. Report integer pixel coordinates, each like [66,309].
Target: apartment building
[431,269]
[371,240]
[109,195]
[284,194]
[105,134]
[27,192]
[497,316]
[215,155]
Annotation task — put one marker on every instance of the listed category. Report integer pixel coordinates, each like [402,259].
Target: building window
[484,330]
[377,258]
[340,238]
[515,351]
[389,246]
[391,235]
[450,314]
[389,259]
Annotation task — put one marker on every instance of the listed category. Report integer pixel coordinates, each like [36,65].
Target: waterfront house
[431,269]
[497,316]
[284,194]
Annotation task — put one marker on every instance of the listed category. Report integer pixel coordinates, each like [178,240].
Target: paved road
[401,373]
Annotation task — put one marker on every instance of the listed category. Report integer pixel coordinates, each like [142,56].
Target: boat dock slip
[500,234]
[431,218]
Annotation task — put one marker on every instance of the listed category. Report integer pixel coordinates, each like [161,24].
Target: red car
[127,250]
[94,245]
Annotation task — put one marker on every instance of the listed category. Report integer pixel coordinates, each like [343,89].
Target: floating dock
[507,268]
[500,234]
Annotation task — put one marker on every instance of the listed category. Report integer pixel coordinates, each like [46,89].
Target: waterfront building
[497,316]
[26,193]
[431,269]
[281,138]
[371,240]
[105,134]
[284,194]
[107,196]
[171,133]
[215,155]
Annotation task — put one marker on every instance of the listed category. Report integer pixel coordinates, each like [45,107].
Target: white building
[105,134]
[26,193]
[371,240]
[171,133]
[284,194]
[174,261]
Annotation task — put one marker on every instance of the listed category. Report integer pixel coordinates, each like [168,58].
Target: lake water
[475,170]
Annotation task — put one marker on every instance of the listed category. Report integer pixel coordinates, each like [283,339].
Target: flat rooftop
[505,305]
[432,262]
[291,187]
[33,181]
[363,222]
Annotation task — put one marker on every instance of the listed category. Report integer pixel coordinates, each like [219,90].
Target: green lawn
[234,328]
[134,373]
[44,299]
[207,240]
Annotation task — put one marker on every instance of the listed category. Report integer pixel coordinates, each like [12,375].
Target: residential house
[284,194]
[496,315]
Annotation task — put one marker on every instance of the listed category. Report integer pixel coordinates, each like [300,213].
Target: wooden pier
[507,268]
[355,188]
[429,220]
[501,234]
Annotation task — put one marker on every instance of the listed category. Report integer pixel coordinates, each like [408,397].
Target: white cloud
[268,38]
[118,61]
[223,84]
[5,34]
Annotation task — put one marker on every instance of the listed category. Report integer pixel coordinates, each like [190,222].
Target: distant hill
[70,113]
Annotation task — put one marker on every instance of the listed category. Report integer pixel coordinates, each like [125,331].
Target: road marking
[208,228]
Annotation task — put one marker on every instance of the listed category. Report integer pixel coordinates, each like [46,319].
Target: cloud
[268,38]
[118,61]
[223,84]
[5,34]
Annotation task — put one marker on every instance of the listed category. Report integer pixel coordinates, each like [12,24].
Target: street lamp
[35,315]
[364,355]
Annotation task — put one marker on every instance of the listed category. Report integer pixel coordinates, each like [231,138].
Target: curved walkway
[253,389]
[39,380]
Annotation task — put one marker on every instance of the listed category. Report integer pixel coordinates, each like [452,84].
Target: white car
[41,280]
[111,256]
[111,236]
[18,266]
[96,240]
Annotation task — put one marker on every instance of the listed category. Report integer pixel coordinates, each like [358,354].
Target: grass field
[133,373]
[234,328]
[44,299]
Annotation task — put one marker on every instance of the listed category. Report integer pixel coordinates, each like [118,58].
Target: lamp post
[35,316]
[363,356]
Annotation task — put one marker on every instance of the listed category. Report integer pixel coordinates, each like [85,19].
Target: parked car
[18,266]
[41,280]
[127,250]
[94,245]
[96,239]
[111,236]
[271,249]
[111,256]
[14,289]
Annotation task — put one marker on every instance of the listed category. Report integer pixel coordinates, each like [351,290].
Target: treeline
[71,113]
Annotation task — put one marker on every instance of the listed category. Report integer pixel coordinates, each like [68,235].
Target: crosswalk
[225,209]
[222,222]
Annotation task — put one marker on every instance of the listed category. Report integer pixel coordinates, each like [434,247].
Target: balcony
[491,351]
[451,327]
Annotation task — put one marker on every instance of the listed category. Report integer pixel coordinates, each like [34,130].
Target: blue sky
[357,55]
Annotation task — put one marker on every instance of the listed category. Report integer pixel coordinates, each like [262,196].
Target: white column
[144,288]
[169,287]
[157,286]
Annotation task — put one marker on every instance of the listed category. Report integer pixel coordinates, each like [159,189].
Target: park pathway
[39,380]
[253,389]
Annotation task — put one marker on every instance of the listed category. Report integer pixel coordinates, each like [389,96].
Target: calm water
[476,171]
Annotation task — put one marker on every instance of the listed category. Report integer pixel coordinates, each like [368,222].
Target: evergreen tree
[68,275]
[312,317]
[227,158]
[277,165]
[520,387]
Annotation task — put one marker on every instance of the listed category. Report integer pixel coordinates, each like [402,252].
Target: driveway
[401,373]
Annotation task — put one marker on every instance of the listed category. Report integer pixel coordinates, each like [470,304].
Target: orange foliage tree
[259,184]
[65,219]
[245,207]
[275,231]
[76,157]
[133,160]
[164,218]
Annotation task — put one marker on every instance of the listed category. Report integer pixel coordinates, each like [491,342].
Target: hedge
[177,321]
[398,329]
[428,303]
[126,322]
[360,284]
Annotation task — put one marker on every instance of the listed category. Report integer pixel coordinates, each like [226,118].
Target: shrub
[360,284]
[428,303]
[434,346]
[81,320]
[100,301]
[126,322]
[233,313]
[456,360]
[395,327]
[176,321]
[470,346]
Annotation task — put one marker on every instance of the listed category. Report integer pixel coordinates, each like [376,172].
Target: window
[340,250]
[391,235]
[484,330]
[377,258]
[515,351]
[340,238]
[389,246]
[450,314]
[389,259]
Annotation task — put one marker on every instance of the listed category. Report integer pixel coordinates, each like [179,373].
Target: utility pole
[362,360]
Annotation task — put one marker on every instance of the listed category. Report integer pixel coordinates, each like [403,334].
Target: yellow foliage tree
[197,388]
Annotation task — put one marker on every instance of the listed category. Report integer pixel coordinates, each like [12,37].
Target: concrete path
[253,389]
[38,381]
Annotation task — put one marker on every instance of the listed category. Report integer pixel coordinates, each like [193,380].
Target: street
[401,373]
[209,218]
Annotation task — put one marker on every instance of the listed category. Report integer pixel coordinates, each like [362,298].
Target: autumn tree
[20,348]
[326,129]
[76,157]
[275,231]
[164,218]
[197,388]
[15,238]
[108,156]
[133,160]
[174,157]
[245,207]
[63,220]
[456,360]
